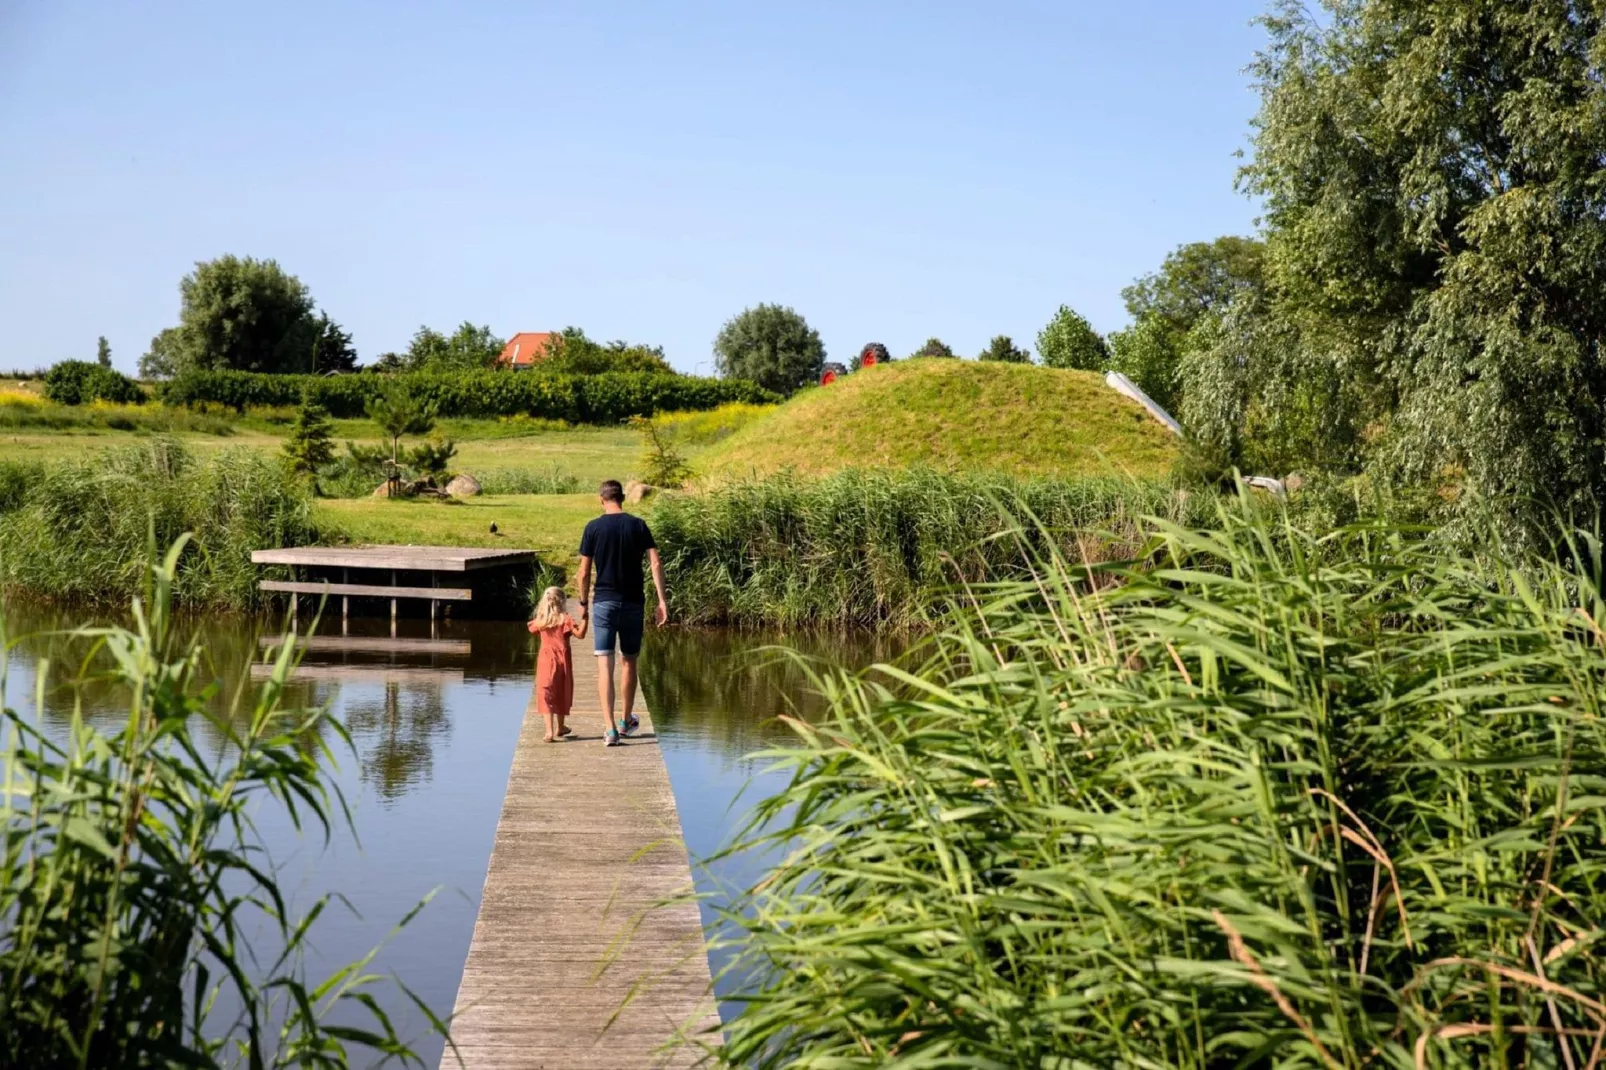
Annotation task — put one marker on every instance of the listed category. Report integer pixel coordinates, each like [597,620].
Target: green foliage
[1434,242]
[82,529]
[875,348]
[15,479]
[467,349]
[433,458]
[135,888]
[934,347]
[706,427]
[662,463]
[399,412]
[862,547]
[609,398]
[103,352]
[103,416]
[241,314]
[1069,341]
[1198,280]
[78,382]
[1147,353]
[1003,350]
[570,352]
[311,442]
[772,346]
[162,361]
[550,480]
[1283,799]
[330,349]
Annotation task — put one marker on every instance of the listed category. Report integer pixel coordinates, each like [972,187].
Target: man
[614,544]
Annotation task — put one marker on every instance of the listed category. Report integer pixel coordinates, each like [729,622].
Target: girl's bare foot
[547,739]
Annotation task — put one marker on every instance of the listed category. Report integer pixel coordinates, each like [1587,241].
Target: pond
[434,728]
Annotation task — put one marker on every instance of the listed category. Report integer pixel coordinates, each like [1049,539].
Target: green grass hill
[951,415]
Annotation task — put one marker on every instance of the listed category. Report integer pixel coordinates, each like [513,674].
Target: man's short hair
[611,491]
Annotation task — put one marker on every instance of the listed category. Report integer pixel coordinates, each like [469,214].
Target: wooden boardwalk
[573,966]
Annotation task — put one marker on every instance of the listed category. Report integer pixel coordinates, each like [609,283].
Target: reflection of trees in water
[732,685]
[396,735]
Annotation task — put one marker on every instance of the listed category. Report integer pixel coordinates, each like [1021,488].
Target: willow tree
[1435,211]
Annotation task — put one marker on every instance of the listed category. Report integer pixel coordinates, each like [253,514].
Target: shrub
[311,442]
[662,463]
[433,458]
[599,399]
[1283,799]
[871,547]
[934,347]
[82,530]
[136,891]
[531,481]
[76,382]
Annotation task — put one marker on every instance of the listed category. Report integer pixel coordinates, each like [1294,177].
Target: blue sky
[893,170]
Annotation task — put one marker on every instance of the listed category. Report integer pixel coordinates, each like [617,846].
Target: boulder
[463,486]
[1293,481]
[636,491]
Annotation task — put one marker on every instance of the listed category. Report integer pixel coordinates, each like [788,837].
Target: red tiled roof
[525,348]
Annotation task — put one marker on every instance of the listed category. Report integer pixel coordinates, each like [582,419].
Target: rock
[636,491]
[463,486]
[383,490]
[1293,481]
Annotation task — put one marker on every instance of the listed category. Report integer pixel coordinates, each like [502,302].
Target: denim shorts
[617,620]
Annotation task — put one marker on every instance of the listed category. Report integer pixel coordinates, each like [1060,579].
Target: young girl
[554,669]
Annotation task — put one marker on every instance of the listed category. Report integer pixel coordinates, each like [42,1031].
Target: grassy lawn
[591,453]
[550,524]
[952,415]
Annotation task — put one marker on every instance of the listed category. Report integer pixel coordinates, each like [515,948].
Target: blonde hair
[550,610]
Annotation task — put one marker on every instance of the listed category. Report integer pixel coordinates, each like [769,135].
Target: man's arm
[658,585]
[582,585]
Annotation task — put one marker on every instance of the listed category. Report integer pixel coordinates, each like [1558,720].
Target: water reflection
[433,722]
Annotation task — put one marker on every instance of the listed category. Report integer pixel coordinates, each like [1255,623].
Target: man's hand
[662,615]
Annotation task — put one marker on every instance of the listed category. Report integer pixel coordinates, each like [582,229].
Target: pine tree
[103,352]
[311,442]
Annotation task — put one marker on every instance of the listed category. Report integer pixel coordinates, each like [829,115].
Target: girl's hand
[532,627]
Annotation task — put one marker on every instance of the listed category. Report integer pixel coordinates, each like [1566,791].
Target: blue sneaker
[611,739]
[631,723]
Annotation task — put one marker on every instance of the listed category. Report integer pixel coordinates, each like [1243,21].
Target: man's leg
[627,686]
[605,687]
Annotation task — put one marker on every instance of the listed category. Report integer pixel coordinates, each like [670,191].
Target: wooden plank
[588,845]
[403,558]
[368,590]
[366,674]
[373,644]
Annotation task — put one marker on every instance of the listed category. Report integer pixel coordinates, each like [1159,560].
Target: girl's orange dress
[554,670]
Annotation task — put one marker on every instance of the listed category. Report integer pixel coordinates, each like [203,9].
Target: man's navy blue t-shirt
[616,543]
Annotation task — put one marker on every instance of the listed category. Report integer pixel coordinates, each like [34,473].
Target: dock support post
[295,605]
[393,606]
[345,601]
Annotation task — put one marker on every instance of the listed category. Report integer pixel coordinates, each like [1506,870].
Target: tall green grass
[144,925]
[79,530]
[871,548]
[1276,798]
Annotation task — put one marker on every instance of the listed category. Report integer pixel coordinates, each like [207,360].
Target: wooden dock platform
[433,574]
[573,966]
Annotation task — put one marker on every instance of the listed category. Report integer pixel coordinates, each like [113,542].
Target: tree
[331,349]
[469,348]
[772,346]
[1002,349]
[162,360]
[103,352]
[1146,353]
[399,413]
[311,443]
[1435,249]
[871,348]
[1197,280]
[570,352]
[1069,341]
[934,347]
[242,314]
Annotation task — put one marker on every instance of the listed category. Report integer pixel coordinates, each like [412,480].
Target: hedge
[592,399]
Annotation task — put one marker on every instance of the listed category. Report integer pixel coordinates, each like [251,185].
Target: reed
[873,548]
[144,925]
[1275,798]
[81,528]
